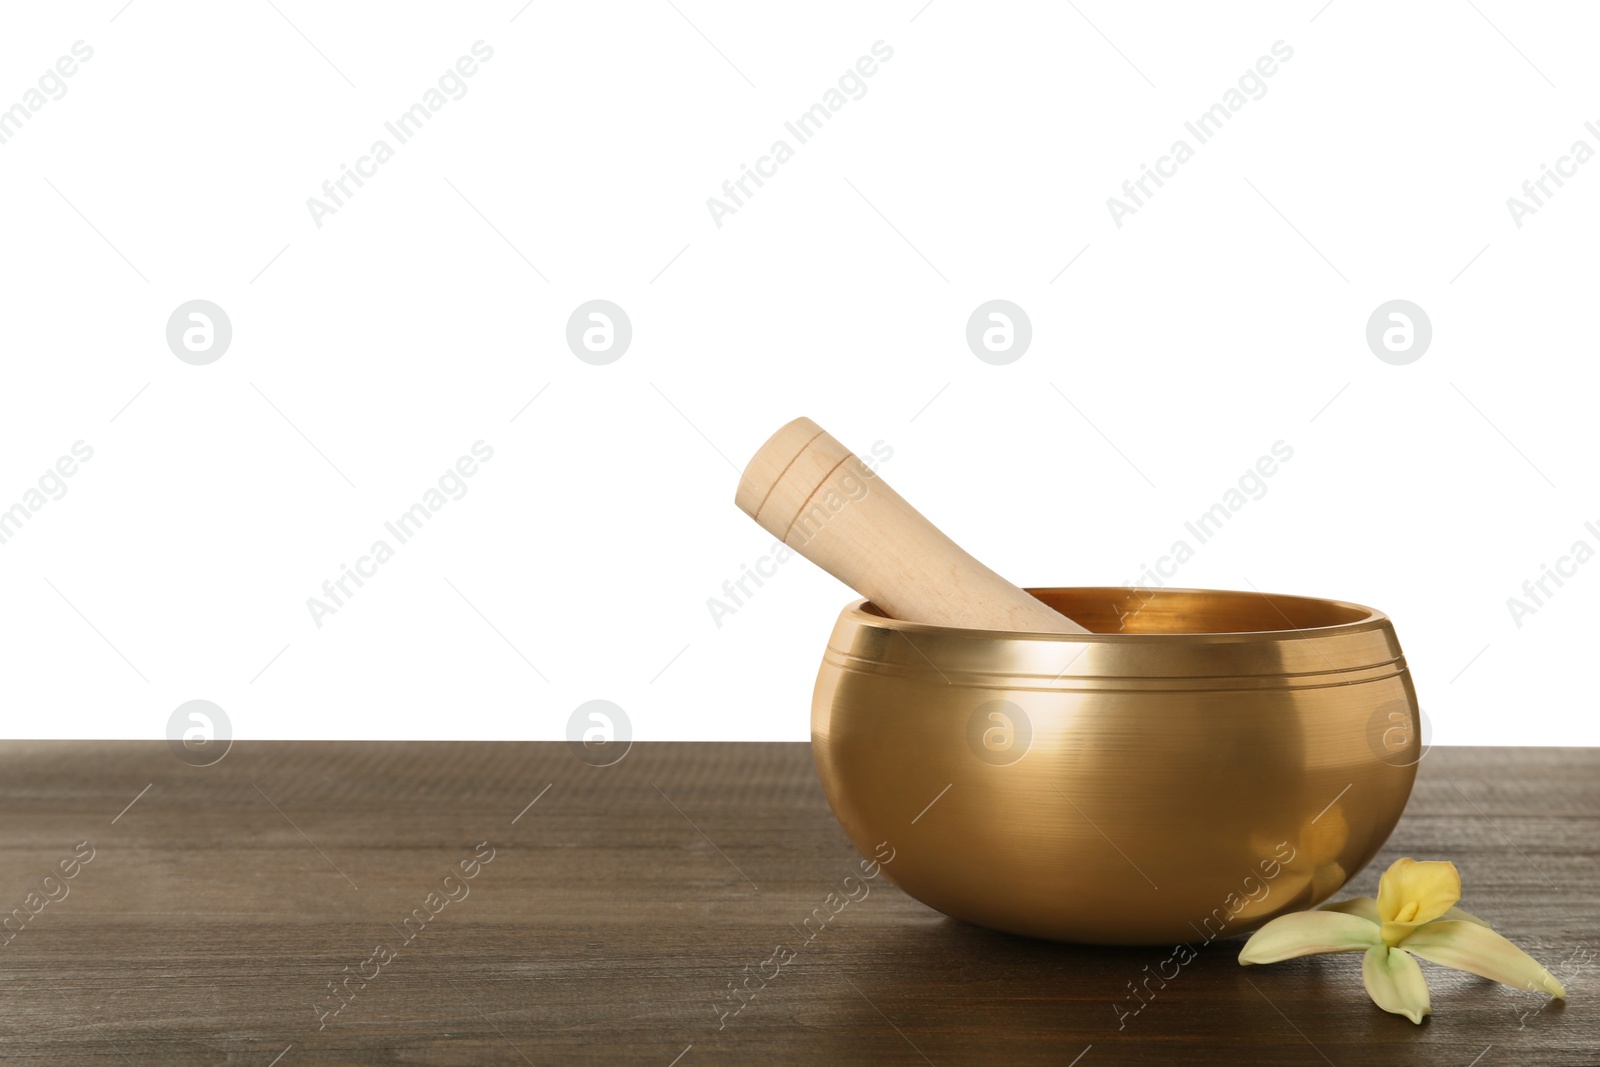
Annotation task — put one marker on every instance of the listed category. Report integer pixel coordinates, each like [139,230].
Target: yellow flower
[1414,915]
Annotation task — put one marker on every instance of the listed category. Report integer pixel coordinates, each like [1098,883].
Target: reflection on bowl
[1201,762]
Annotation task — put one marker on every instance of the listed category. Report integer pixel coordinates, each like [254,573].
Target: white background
[368,354]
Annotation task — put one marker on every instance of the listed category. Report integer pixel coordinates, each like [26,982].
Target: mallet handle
[817,497]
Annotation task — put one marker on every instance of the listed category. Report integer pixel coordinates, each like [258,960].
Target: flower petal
[1457,913]
[1470,947]
[1304,933]
[1416,892]
[1395,982]
[1365,907]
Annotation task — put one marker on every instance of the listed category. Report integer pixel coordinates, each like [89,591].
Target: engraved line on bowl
[846,658]
[924,655]
[988,680]
[1083,647]
[1316,648]
[1001,684]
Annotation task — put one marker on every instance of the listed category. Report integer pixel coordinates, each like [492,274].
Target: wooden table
[612,907]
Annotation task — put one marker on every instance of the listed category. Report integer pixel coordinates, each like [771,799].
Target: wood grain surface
[605,922]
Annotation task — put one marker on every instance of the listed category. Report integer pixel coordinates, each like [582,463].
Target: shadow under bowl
[1203,761]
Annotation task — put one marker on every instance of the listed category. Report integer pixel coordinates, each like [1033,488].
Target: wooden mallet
[817,497]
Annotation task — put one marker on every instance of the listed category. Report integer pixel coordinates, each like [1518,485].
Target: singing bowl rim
[1338,643]
[1364,618]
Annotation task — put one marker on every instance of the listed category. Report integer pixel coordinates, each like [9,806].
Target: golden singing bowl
[1200,763]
